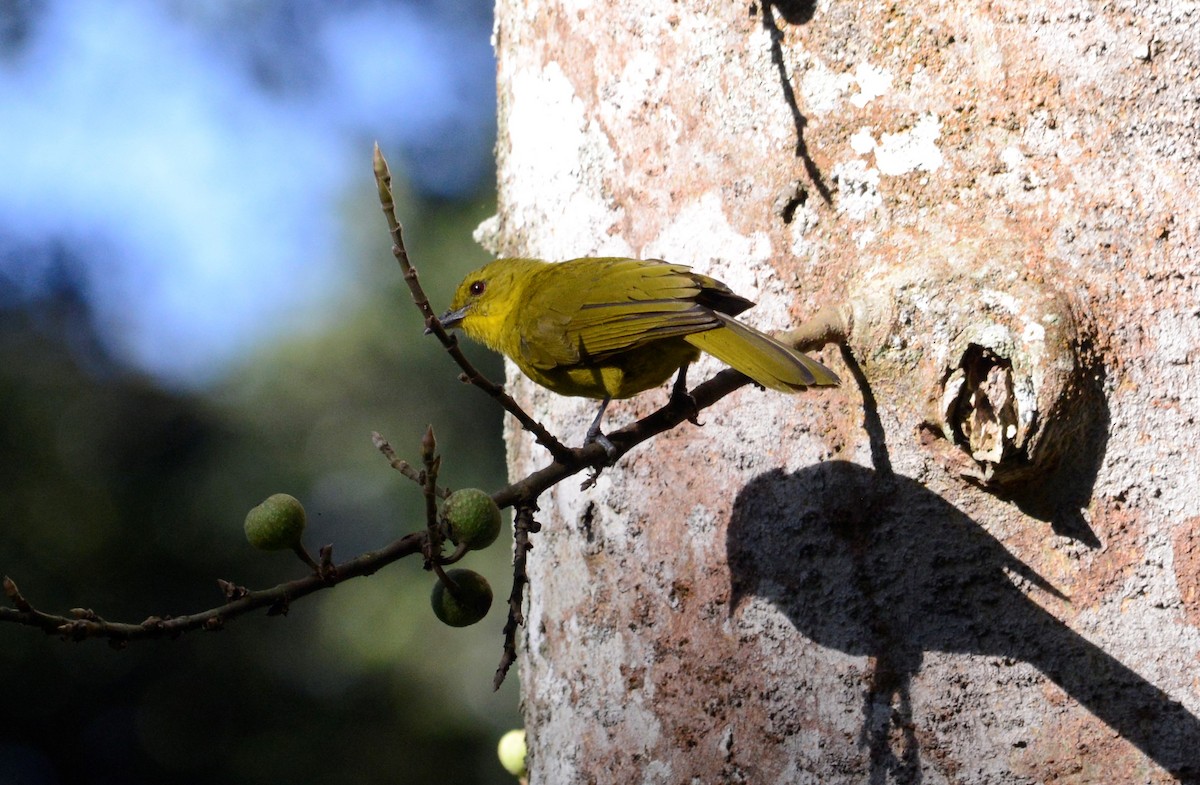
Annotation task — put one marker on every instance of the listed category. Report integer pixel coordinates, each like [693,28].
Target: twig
[85,624]
[434,539]
[433,463]
[397,463]
[306,557]
[831,324]
[14,596]
[383,180]
[523,526]
[401,465]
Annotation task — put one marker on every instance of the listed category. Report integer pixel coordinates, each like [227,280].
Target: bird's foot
[594,436]
[599,438]
[682,399]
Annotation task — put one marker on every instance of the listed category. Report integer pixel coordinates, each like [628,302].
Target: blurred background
[198,308]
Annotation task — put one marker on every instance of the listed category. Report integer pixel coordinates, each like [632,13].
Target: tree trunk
[977,561]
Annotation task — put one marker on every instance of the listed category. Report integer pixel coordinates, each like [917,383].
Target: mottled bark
[978,560]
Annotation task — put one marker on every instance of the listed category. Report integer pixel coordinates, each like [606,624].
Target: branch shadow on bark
[794,12]
[875,565]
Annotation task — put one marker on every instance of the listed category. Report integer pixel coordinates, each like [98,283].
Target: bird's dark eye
[477,287]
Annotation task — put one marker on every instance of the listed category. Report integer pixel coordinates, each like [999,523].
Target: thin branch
[831,324]
[433,463]
[86,624]
[434,538]
[383,180]
[523,526]
[399,464]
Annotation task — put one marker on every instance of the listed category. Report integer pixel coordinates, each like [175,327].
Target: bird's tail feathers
[761,357]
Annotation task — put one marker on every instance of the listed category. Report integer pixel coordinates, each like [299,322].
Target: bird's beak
[450,319]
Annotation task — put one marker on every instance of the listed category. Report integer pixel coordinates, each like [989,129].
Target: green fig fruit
[465,604]
[276,524]
[472,518]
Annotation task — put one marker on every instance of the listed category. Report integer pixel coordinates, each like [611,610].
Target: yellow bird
[609,328]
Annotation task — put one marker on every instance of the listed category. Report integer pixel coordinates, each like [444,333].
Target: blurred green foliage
[128,499]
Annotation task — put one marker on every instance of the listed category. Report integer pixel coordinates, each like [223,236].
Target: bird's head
[488,298]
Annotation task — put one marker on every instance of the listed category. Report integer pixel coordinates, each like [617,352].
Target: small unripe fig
[276,524]
[465,604]
[472,518]
[512,751]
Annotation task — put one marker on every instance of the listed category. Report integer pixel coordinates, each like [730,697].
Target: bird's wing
[591,309]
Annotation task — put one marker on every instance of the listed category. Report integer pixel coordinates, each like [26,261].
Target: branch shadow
[794,12]
[874,564]
[878,566]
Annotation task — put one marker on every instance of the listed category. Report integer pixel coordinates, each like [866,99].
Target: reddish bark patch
[1076,748]
[1102,572]
[1187,568]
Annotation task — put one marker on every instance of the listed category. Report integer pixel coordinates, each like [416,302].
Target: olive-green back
[590,310]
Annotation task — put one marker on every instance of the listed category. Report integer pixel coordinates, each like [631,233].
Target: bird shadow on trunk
[873,564]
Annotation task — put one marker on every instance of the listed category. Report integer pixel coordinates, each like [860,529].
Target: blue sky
[192,156]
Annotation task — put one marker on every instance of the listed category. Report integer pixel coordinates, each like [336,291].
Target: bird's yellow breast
[621,376]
